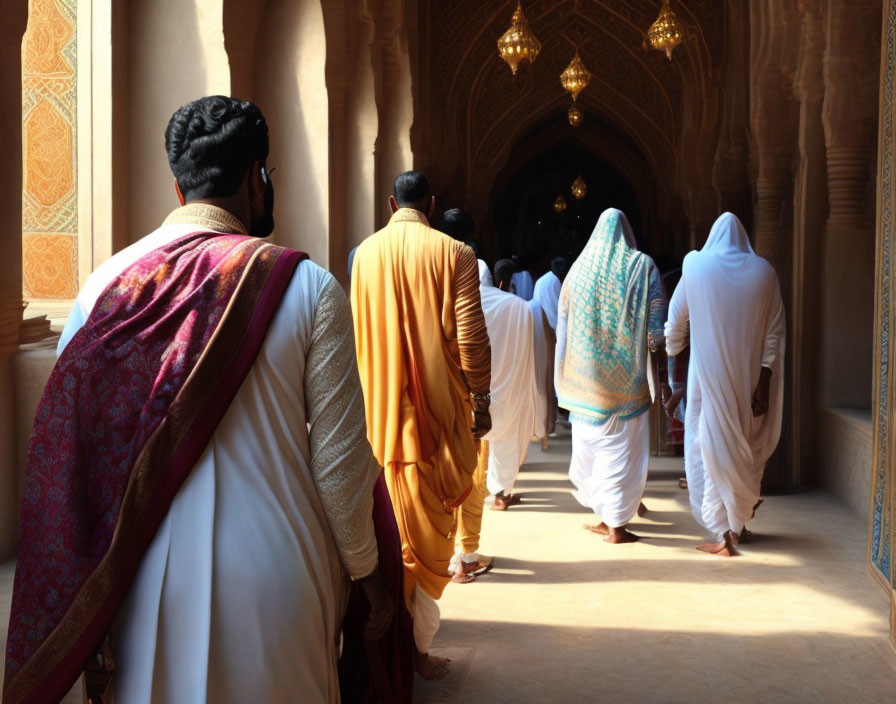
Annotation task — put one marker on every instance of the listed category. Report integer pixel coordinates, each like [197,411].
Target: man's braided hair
[211,144]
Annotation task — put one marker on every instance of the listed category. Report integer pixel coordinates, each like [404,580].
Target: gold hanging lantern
[576,115]
[575,77]
[560,204]
[579,188]
[666,33]
[518,44]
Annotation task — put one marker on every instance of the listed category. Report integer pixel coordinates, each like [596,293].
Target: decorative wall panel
[49,153]
[880,547]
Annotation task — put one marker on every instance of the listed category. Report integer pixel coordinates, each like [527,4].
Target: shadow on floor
[592,663]
[707,570]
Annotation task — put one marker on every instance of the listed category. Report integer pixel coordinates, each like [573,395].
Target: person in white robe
[241,593]
[522,284]
[610,320]
[513,390]
[732,300]
[485,275]
[544,313]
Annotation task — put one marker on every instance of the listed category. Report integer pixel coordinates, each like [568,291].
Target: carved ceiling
[473,115]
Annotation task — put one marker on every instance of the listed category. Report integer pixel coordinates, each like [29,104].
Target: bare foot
[599,528]
[502,503]
[642,509]
[618,536]
[429,667]
[544,444]
[724,548]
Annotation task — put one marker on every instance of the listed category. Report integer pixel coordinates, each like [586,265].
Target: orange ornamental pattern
[50,183]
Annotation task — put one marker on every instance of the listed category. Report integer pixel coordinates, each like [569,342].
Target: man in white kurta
[543,307]
[523,285]
[241,593]
[502,450]
[509,324]
[732,300]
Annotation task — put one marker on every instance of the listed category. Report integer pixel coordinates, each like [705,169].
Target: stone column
[730,177]
[395,103]
[774,119]
[15,17]
[849,114]
[810,199]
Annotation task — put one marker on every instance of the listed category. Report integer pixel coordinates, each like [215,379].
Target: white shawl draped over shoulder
[732,299]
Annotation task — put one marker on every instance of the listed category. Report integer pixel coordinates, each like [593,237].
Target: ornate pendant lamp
[560,204]
[579,188]
[518,44]
[576,115]
[666,33]
[575,77]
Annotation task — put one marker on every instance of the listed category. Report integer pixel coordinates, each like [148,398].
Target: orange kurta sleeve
[472,335]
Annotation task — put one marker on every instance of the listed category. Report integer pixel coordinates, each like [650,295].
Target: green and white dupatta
[612,308]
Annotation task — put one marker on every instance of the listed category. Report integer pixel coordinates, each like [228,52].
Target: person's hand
[381,607]
[671,403]
[482,420]
[762,392]
[98,671]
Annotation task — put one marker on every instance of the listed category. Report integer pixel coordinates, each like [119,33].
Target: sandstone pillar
[774,120]
[730,175]
[15,17]
[810,198]
[850,127]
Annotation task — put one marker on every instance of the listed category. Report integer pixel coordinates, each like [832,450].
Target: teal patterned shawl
[612,309]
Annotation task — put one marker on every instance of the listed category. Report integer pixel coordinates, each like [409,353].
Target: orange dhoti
[426,526]
[469,517]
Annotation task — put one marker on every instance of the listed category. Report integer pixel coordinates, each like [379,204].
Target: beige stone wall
[290,88]
[14,14]
[175,54]
[844,456]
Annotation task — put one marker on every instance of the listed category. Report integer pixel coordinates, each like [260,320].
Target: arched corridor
[779,111]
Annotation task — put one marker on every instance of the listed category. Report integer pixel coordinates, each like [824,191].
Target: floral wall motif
[50,183]
[883,527]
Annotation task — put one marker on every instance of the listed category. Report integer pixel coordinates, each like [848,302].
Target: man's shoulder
[427,240]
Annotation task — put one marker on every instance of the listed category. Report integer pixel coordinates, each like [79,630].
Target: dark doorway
[527,224]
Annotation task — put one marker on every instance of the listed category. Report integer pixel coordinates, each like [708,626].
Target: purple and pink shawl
[128,410]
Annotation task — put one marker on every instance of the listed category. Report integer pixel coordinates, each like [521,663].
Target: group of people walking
[243,485]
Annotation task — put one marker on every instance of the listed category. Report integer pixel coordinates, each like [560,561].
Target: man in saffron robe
[199,483]
[424,361]
[728,309]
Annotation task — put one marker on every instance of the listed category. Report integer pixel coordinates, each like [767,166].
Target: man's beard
[263,226]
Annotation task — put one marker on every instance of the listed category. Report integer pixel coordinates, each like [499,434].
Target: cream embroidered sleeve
[342,462]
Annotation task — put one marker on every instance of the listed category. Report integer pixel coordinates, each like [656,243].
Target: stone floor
[565,617]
